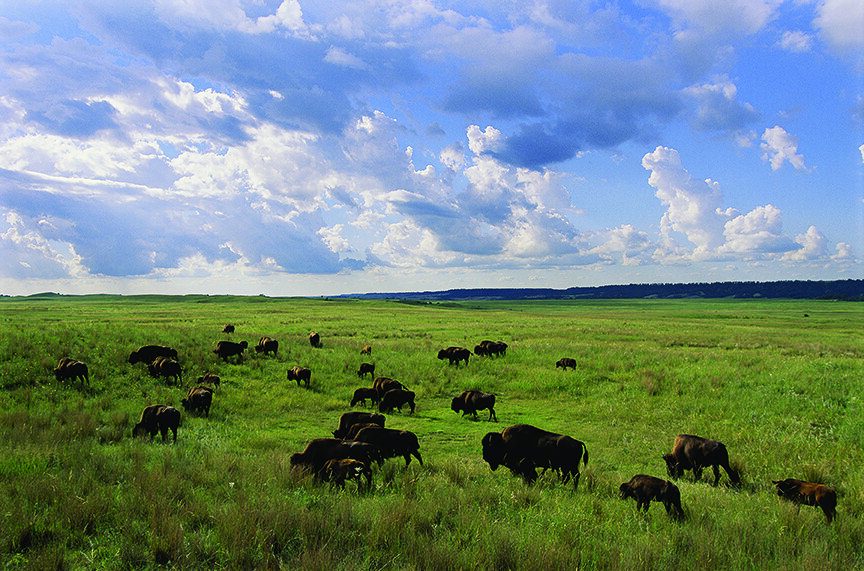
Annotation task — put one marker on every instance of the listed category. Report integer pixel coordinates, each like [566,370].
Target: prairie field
[781,383]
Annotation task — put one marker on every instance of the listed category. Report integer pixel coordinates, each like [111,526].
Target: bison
[694,453]
[367,350]
[361,394]
[336,471]
[470,401]
[157,418]
[225,349]
[392,442]
[384,384]
[300,374]
[210,379]
[366,368]
[314,339]
[809,494]
[319,450]
[396,398]
[454,355]
[198,399]
[566,362]
[355,428]
[267,345]
[71,369]
[488,348]
[165,367]
[523,447]
[149,353]
[356,417]
[644,488]
[228,328]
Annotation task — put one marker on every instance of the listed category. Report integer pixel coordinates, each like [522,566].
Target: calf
[228,328]
[300,374]
[455,355]
[165,367]
[71,369]
[267,345]
[149,353]
[361,394]
[645,488]
[336,471]
[566,362]
[367,350]
[694,453]
[470,401]
[210,379]
[366,368]
[396,398]
[384,384]
[809,494]
[225,349]
[157,418]
[314,339]
[198,399]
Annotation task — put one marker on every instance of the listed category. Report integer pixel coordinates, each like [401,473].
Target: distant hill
[848,290]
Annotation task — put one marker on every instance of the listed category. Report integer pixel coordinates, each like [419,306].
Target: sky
[292,147]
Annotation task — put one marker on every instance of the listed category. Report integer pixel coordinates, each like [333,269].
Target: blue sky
[288,147]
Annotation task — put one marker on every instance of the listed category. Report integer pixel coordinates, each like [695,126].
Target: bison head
[493,449]
[456,404]
[672,467]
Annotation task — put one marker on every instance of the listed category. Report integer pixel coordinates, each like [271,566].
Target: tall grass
[781,390]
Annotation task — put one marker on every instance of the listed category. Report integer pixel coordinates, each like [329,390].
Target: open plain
[780,383]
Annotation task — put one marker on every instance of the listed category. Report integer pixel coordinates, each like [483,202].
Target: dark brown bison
[361,394]
[225,349]
[488,348]
[809,494]
[367,350]
[454,355]
[267,345]
[319,450]
[165,367]
[349,419]
[566,362]
[644,488]
[694,453]
[384,384]
[299,374]
[157,418]
[355,428]
[314,339]
[149,353]
[71,369]
[198,399]
[470,401]
[396,398]
[210,379]
[336,471]
[392,442]
[523,447]
[228,328]
[366,369]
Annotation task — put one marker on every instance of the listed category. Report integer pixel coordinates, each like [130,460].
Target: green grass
[781,390]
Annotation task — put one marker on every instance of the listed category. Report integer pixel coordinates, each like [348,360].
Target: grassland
[782,390]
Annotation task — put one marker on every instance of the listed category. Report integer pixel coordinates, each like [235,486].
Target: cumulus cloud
[780,147]
[840,23]
[717,107]
[796,41]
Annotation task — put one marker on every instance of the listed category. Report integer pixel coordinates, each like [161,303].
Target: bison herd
[361,439]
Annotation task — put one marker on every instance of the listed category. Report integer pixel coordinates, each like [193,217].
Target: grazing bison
[470,401]
[314,339]
[367,350]
[349,419]
[149,353]
[523,447]
[694,453]
[165,367]
[384,384]
[363,451]
[71,369]
[210,379]
[566,362]
[392,442]
[809,494]
[355,428]
[336,471]
[644,488]
[454,355]
[488,348]
[396,398]
[361,394]
[198,399]
[319,450]
[267,345]
[300,374]
[228,328]
[366,368]
[225,349]
[157,418]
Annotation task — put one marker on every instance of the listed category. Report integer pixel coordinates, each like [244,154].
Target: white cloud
[813,244]
[757,232]
[861,149]
[740,16]
[796,41]
[780,147]
[338,56]
[484,141]
[841,23]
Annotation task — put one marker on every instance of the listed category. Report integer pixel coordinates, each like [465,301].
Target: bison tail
[585,457]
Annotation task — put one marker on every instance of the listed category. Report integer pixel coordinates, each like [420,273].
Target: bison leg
[716,473]
[492,414]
